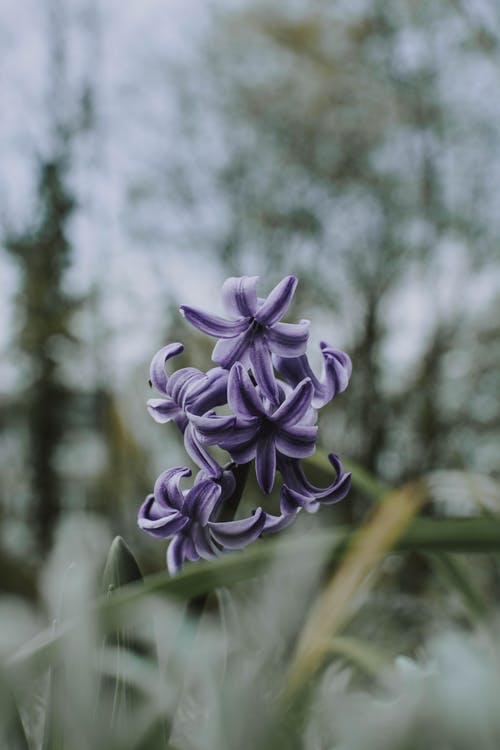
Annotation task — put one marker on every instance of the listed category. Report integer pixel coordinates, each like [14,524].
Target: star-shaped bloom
[337,368]
[187,517]
[253,332]
[187,388]
[257,430]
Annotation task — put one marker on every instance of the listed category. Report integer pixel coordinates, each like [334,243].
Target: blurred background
[152,148]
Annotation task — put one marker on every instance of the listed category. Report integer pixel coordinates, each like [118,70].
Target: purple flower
[254,332]
[337,368]
[297,492]
[257,431]
[187,517]
[187,388]
[265,378]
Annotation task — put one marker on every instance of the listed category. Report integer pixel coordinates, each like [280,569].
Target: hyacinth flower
[257,431]
[255,331]
[186,517]
[191,389]
[273,396]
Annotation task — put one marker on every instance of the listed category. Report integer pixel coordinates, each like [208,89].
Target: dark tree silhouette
[43,255]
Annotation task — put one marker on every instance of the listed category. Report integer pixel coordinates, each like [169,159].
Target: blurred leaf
[121,566]
[334,605]
[53,734]
[13,734]
[467,535]
[463,492]
[360,653]
[121,680]
[455,572]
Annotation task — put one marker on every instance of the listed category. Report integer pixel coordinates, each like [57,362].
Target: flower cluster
[264,377]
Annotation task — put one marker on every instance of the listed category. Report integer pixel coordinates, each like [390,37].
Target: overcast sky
[133,52]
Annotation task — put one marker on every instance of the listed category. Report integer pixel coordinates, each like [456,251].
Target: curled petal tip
[158,377]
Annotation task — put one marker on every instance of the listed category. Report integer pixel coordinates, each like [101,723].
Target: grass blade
[333,607]
[454,571]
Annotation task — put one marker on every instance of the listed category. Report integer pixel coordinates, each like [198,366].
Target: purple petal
[291,501]
[157,373]
[190,552]
[337,368]
[237,534]
[242,443]
[277,523]
[295,405]
[262,366]
[162,527]
[213,325]
[338,491]
[240,295]
[288,339]
[242,395]
[228,351]
[203,545]
[167,491]
[297,441]
[342,357]
[181,421]
[199,454]
[228,484]
[246,431]
[162,409]
[210,392]
[212,428]
[202,499]
[294,478]
[175,554]
[244,453]
[265,463]
[295,369]
[182,382]
[276,304]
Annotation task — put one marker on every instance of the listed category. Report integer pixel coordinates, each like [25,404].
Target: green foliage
[121,567]
[135,669]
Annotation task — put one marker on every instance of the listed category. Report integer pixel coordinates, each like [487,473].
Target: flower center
[255,326]
[267,428]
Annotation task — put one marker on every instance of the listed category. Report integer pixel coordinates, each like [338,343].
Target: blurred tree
[345,161]
[81,454]
[43,255]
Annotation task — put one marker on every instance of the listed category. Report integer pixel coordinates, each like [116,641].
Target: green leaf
[121,566]
[454,571]
[13,734]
